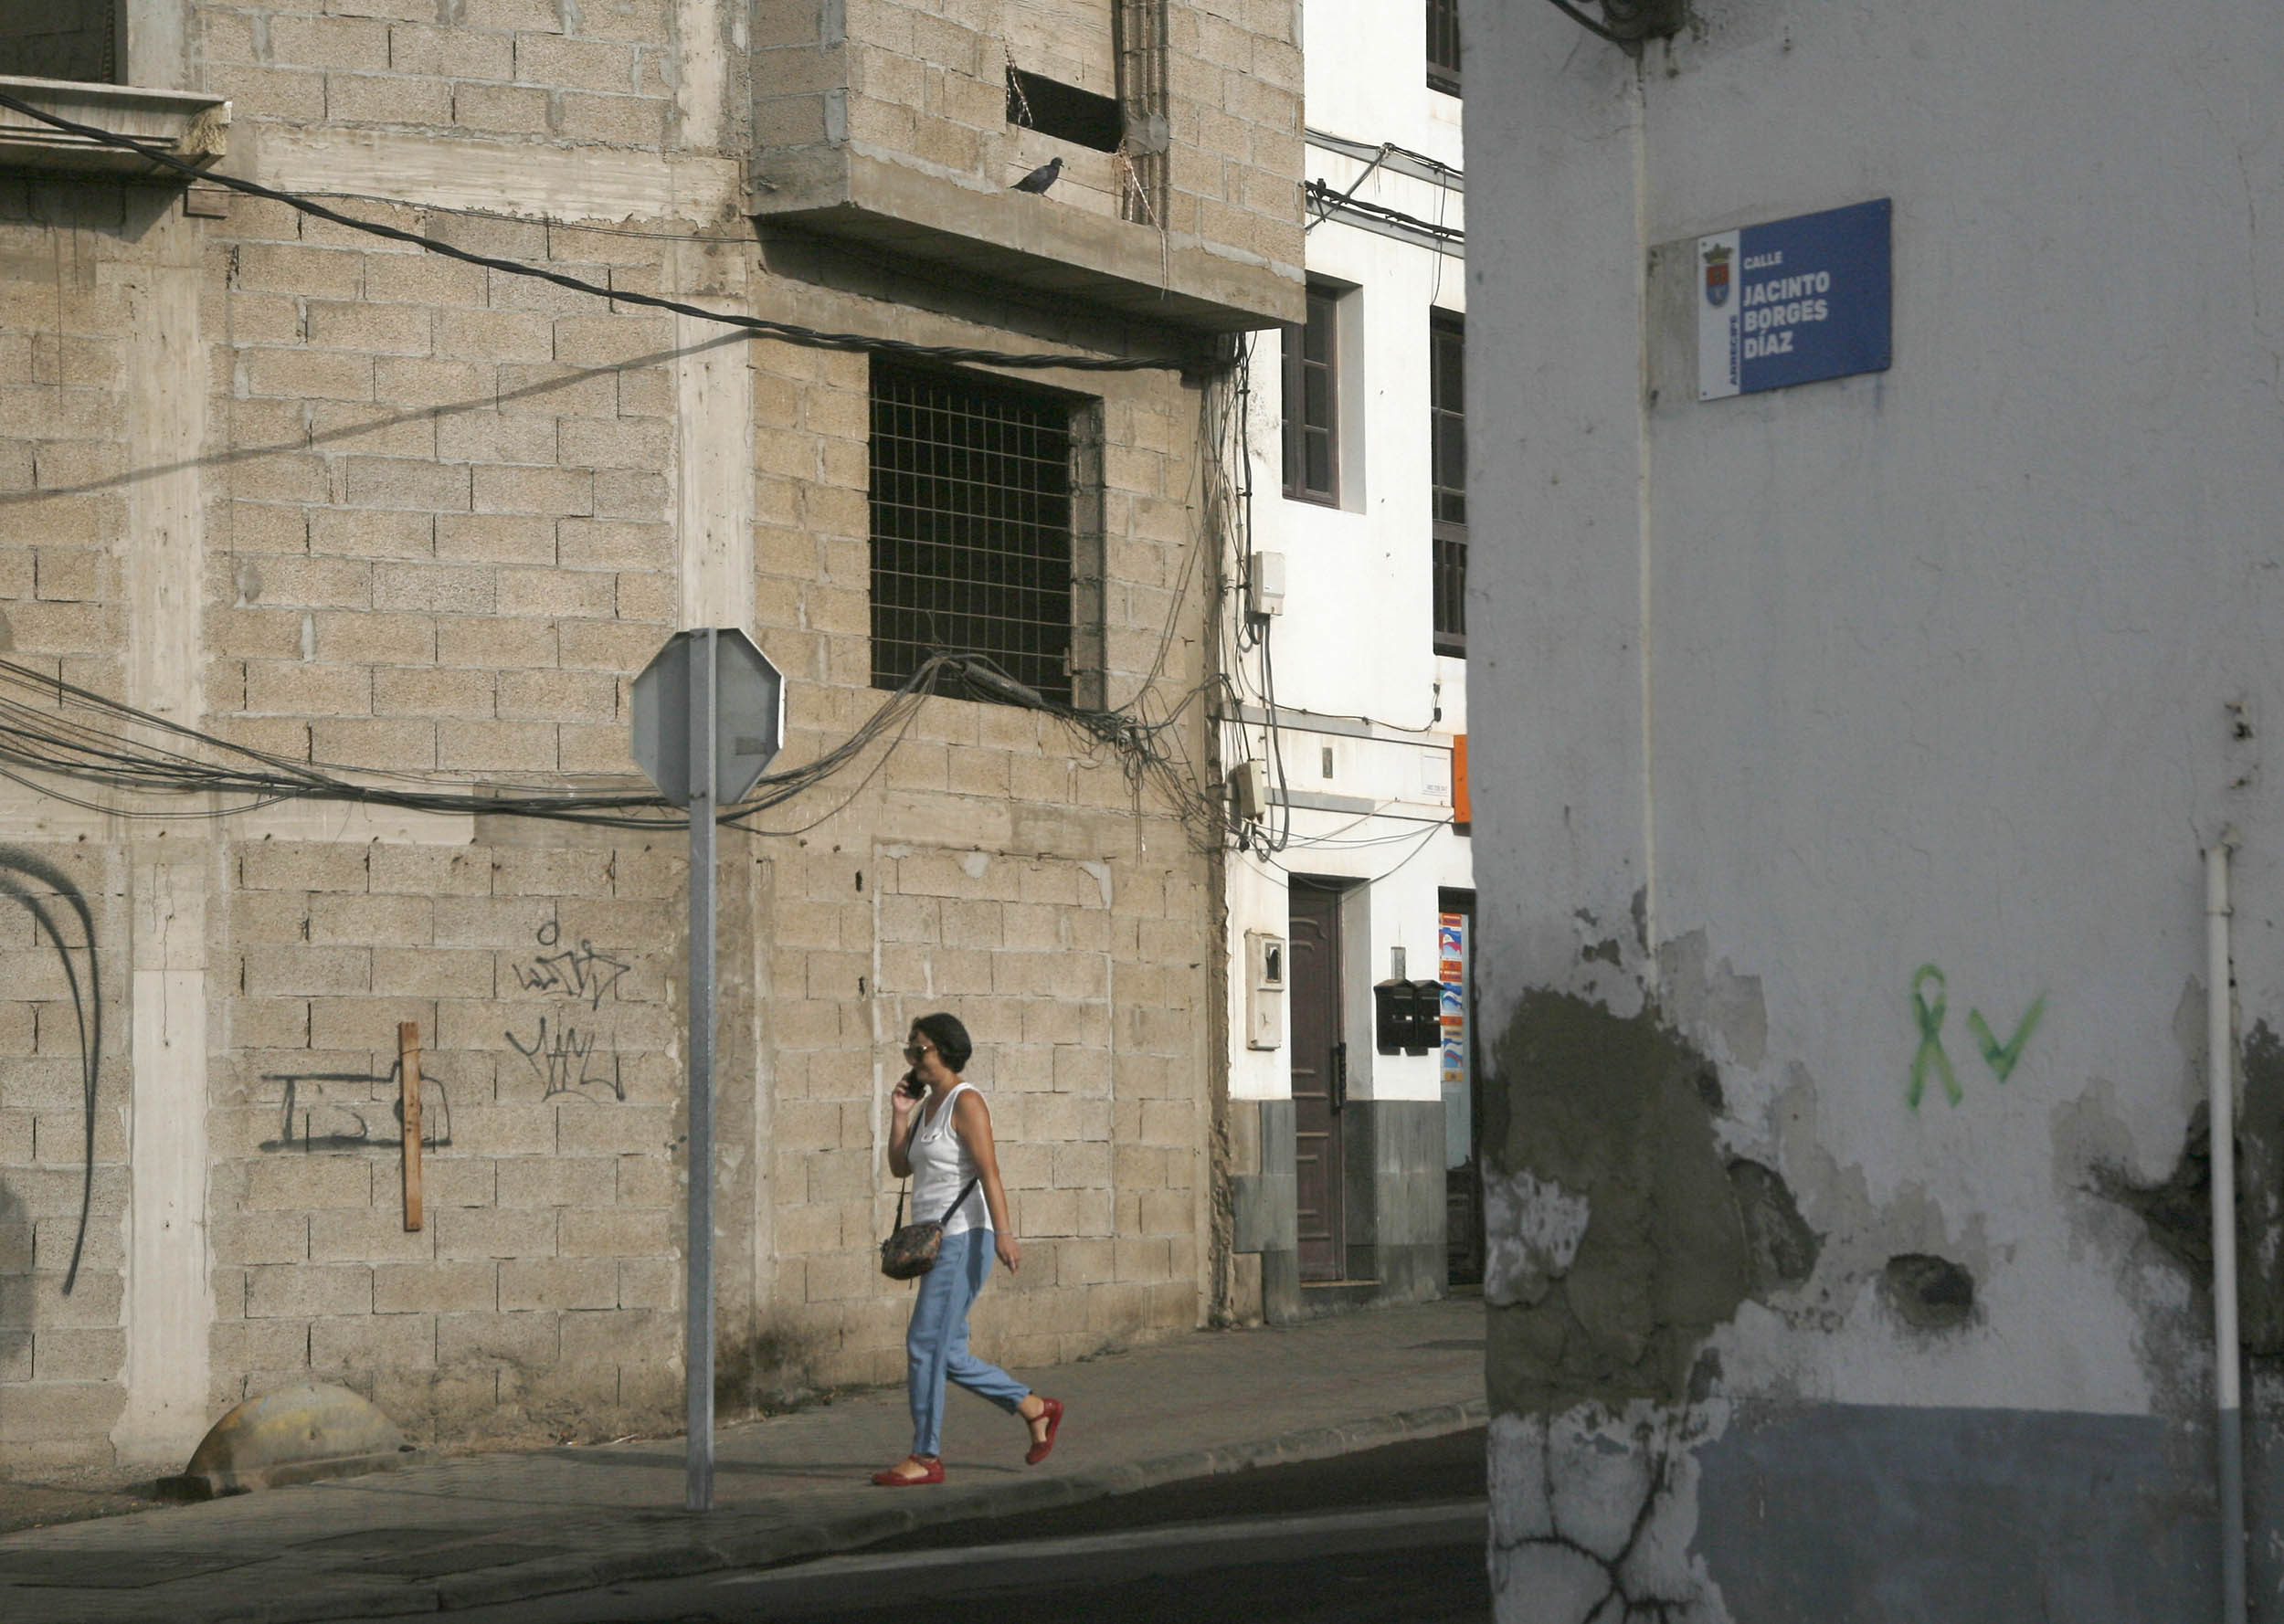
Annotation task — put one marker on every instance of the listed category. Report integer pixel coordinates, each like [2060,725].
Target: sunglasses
[916,1052]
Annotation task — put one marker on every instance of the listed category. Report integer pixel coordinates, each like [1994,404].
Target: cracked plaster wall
[1780,700]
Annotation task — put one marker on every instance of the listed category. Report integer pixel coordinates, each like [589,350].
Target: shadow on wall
[16,1288]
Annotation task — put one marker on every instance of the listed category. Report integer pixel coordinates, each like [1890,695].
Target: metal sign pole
[698,1330]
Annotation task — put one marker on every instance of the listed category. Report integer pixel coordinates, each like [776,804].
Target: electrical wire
[1144,734]
[1320,194]
[1587,23]
[788,332]
[1325,210]
[1426,837]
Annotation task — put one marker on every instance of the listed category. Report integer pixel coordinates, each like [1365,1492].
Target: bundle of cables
[53,730]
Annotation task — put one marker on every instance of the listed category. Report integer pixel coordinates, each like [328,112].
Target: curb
[724,1547]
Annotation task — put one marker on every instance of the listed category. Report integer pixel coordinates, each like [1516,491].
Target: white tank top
[941,1168]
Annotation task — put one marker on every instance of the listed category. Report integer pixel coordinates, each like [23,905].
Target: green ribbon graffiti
[2003,1056]
[1930,1055]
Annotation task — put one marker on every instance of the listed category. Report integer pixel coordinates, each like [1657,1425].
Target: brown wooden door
[1313,987]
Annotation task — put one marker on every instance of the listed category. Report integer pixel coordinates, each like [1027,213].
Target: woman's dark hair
[949,1037]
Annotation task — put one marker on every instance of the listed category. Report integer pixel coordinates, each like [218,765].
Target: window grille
[1447,423]
[1442,45]
[1312,448]
[972,526]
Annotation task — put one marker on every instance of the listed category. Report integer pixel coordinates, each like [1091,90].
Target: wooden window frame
[1443,31]
[1323,300]
[1447,509]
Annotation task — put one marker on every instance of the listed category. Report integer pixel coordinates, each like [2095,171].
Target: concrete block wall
[923,89]
[345,501]
[540,1290]
[603,73]
[61,1342]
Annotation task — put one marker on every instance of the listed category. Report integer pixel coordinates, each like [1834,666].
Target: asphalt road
[1394,1533]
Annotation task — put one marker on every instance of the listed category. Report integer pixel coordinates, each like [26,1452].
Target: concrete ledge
[1037,242]
[196,129]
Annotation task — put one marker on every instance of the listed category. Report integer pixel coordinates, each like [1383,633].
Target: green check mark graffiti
[2002,1058]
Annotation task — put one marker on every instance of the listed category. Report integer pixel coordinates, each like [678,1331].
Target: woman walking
[941,1139]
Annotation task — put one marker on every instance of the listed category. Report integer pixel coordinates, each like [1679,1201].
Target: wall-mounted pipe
[2220,1052]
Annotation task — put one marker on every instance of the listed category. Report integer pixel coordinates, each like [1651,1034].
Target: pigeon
[1040,178]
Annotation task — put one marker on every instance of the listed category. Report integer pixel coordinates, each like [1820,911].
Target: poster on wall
[1451,970]
[1794,302]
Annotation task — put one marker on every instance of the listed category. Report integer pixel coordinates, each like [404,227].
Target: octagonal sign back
[749,701]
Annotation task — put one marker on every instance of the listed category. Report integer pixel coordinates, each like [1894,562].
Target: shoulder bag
[910,1249]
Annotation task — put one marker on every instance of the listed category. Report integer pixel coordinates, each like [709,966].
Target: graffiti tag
[585,973]
[569,1061]
[1930,1058]
[329,1111]
[36,882]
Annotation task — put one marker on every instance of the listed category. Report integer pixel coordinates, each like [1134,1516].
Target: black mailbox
[1408,1015]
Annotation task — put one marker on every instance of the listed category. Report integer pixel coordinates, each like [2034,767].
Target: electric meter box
[1265,990]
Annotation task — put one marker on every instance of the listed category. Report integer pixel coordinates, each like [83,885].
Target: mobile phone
[911,1086]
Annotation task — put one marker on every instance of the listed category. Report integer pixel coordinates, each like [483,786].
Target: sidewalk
[482,1529]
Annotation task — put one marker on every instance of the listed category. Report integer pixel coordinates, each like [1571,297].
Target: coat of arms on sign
[1717,275]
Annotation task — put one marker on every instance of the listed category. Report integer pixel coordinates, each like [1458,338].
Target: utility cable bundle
[786,331]
[53,729]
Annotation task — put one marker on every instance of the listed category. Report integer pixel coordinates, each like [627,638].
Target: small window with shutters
[1312,406]
[1447,428]
[1442,45]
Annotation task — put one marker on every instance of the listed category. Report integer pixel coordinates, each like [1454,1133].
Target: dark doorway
[1319,1076]
[1463,1088]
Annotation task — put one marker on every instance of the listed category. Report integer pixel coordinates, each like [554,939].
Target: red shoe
[894,1478]
[1039,1451]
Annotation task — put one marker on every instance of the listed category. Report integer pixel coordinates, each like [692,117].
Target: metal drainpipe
[2220,1049]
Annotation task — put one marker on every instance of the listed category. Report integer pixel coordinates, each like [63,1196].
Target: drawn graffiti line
[584,974]
[568,1062]
[347,1123]
[86,1009]
[1930,1056]
[2004,1057]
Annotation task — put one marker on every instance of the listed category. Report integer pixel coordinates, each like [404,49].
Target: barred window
[1442,45]
[972,510]
[1447,427]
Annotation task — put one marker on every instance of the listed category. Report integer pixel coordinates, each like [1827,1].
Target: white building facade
[1847,757]
[1352,1144]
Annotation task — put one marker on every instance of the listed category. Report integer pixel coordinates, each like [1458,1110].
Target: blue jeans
[937,1342]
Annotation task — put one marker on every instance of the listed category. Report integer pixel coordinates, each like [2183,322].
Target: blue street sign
[1794,301]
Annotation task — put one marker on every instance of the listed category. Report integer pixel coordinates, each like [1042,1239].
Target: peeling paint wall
[1843,757]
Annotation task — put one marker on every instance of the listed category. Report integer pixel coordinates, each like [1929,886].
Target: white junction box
[1249,791]
[1266,583]
[1265,990]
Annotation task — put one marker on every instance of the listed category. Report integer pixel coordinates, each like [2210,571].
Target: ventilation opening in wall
[1064,111]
